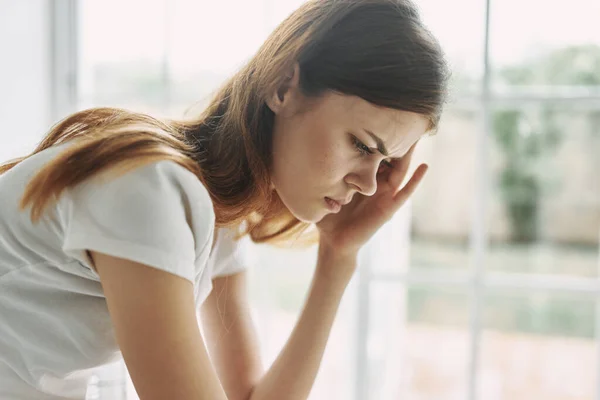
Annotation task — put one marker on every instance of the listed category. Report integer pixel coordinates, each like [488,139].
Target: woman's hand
[347,231]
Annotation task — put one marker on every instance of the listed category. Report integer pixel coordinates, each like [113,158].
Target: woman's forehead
[397,128]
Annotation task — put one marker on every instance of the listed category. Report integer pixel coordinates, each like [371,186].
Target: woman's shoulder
[169,174]
[157,213]
[158,191]
[162,179]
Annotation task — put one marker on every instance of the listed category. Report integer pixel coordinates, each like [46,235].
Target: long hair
[378,50]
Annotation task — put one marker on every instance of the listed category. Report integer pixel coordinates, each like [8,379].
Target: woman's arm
[293,373]
[231,337]
[154,317]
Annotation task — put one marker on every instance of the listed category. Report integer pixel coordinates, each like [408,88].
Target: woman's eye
[361,147]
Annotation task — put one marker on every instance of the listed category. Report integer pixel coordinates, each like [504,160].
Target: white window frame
[63,41]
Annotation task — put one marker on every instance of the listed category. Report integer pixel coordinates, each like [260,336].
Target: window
[485,286]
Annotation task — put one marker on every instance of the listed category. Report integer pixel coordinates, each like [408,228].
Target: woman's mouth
[332,205]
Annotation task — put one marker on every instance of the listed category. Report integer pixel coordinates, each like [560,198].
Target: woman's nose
[364,180]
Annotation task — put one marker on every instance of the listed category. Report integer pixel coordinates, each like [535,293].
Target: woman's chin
[307,211]
[310,219]
[311,216]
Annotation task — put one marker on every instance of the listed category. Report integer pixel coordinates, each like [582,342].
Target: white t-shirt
[54,322]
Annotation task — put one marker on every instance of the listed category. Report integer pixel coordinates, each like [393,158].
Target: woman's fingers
[411,185]
[401,166]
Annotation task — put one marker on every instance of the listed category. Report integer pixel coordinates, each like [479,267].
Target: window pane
[418,343]
[538,347]
[206,45]
[463,43]
[121,54]
[441,207]
[544,211]
[545,44]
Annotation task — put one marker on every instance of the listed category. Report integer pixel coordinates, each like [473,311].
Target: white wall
[24,75]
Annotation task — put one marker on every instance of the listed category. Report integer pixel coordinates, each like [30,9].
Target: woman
[119,225]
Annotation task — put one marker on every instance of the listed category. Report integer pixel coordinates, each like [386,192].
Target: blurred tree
[529,136]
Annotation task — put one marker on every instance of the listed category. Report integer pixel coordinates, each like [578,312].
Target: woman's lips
[333,205]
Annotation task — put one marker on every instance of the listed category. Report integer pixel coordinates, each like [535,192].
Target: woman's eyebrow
[380,145]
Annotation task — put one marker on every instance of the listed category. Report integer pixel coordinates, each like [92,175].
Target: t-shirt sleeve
[142,215]
[230,256]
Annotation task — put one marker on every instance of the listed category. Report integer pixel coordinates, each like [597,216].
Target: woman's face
[326,148]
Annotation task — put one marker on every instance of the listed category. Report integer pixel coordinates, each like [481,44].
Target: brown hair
[378,50]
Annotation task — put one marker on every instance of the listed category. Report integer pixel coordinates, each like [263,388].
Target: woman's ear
[285,94]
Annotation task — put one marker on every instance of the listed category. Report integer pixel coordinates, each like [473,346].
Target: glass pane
[544,211]
[418,344]
[167,63]
[389,249]
[441,206]
[204,51]
[122,54]
[545,44]
[279,284]
[463,46]
[538,347]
